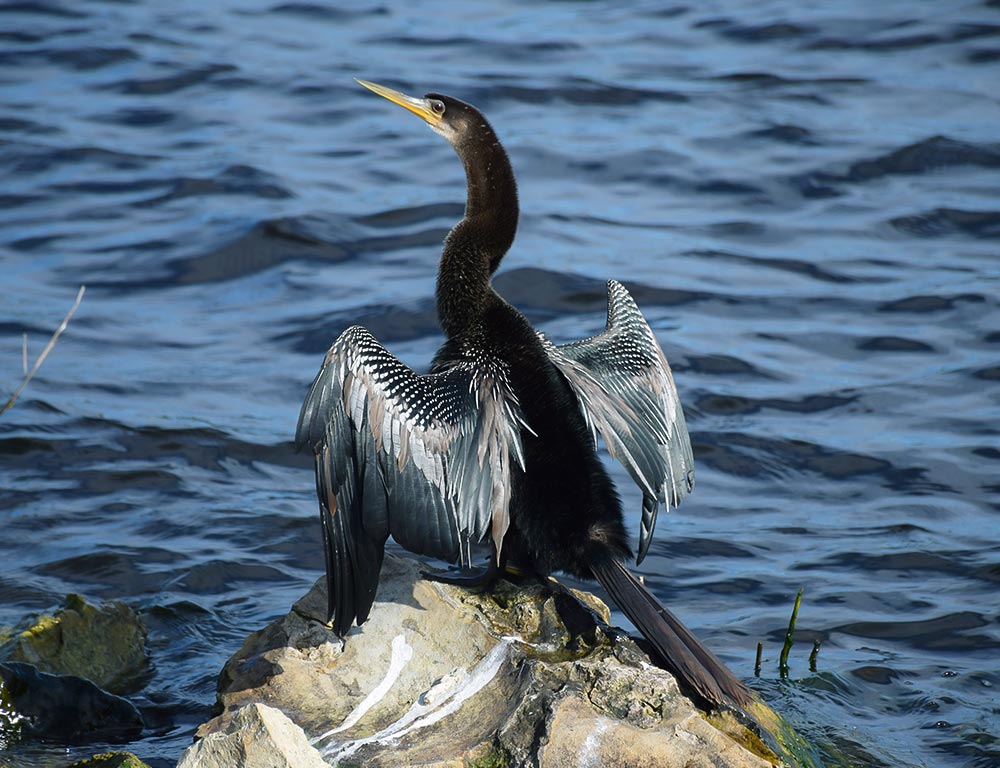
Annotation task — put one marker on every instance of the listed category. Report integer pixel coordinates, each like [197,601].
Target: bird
[497,443]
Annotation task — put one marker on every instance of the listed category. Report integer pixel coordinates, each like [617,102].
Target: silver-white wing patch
[627,394]
[423,458]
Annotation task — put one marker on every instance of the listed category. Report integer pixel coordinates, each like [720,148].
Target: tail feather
[696,668]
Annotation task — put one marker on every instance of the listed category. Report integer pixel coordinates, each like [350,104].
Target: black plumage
[498,442]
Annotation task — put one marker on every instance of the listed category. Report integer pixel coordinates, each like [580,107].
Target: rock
[64,708]
[577,738]
[111,760]
[11,720]
[106,645]
[257,736]
[439,676]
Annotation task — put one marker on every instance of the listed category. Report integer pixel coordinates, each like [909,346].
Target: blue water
[803,197]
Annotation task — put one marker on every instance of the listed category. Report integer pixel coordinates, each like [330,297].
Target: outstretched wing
[627,394]
[423,458]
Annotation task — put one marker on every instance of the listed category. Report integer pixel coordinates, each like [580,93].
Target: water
[803,197]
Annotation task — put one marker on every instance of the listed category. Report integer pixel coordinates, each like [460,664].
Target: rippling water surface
[804,198]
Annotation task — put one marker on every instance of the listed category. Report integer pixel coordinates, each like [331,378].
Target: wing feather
[627,394]
[423,458]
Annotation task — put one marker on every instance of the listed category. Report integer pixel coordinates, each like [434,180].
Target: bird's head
[451,118]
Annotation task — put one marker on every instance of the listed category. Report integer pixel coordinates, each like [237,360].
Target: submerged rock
[105,644]
[64,708]
[518,676]
[11,721]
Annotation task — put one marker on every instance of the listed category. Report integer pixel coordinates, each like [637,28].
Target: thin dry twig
[45,352]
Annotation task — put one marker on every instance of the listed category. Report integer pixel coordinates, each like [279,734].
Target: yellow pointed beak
[419,107]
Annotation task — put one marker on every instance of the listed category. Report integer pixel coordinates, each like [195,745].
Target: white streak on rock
[402,652]
[481,674]
[589,757]
[437,702]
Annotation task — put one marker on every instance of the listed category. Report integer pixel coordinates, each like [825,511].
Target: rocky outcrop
[527,675]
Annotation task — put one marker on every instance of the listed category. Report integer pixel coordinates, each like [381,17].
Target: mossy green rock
[111,760]
[105,644]
[105,760]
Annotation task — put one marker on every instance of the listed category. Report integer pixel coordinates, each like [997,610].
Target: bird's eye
[437,107]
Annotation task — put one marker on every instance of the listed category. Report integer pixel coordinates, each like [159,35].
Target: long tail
[698,671]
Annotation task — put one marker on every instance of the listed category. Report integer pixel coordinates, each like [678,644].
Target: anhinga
[498,440]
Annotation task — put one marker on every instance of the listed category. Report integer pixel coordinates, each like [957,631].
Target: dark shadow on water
[744,455]
[947,633]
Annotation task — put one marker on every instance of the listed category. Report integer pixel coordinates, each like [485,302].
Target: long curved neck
[474,248]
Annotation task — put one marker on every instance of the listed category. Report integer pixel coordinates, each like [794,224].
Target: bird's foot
[469,578]
[481,578]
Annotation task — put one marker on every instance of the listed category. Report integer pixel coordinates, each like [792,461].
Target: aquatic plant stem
[813,655]
[789,635]
[45,352]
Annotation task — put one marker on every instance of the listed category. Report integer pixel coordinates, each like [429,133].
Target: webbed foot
[469,578]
